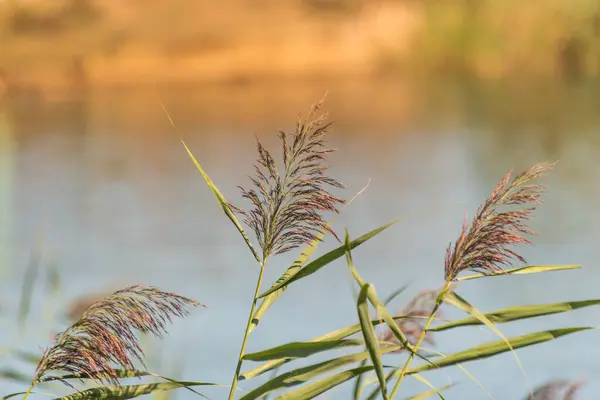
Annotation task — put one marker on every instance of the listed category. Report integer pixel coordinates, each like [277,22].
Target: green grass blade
[332,336]
[358,383]
[9,396]
[120,373]
[213,188]
[327,258]
[31,274]
[530,269]
[14,375]
[519,312]
[429,393]
[496,347]
[317,388]
[310,372]
[297,265]
[395,294]
[454,299]
[129,391]
[301,349]
[427,383]
[222,202]
[370,337]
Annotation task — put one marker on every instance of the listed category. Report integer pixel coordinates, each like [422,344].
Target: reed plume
[554,389]
[287,205]
[485,245]
[105,333]
[416,311]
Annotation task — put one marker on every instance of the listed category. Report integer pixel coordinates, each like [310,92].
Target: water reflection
[120,202]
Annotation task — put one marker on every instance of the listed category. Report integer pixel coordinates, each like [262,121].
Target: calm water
[106,188]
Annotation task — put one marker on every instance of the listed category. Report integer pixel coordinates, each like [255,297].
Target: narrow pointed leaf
[429,393]
[301,349]
[530,269]
[129,391]
[222,202]
[120,373]
[519,312]
[310,372]
[14,375]
[327,258]
[427,383]
[462,304]
[335,335]
[497,347]
[370,337]
[317,388]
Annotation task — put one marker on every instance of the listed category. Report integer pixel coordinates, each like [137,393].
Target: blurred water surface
[102,182]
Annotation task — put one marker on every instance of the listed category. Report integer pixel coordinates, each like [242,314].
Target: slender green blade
[520,312]
[129,391]
[426,382]
[310,372]
[317,388]
[222,202]
[301,349]
[454,299]
[14,375]
[9,396]
[327,258]
[370,338]
[332,336]
[496,347]
[429,393]
[31,274]
[120,373]
[530,269]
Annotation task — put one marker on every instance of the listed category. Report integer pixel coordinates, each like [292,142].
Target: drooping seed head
[557,390]
[485,246]
[105,336]
[417,311]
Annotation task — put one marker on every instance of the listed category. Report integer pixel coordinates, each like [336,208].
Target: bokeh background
[433,101]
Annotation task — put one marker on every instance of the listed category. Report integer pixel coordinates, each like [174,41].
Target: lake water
[102,183]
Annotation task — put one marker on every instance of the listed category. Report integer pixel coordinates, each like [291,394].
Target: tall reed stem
[438,302]
[247,332]
[29,391]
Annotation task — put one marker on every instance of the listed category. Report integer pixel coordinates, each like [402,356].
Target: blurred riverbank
[75,45]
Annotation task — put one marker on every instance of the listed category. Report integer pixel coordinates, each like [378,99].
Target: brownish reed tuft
[485,245]
[287,205]
[105,333]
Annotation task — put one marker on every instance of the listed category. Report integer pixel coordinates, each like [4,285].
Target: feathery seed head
[287,205]
[105,333]
[485,245]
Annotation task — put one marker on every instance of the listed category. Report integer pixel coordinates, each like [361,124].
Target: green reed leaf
[14,375]
[326,259]
[358,382]
[332,336]
[454,299]
[429,393]
[310,372]
[530,269]
[301,349]
[31,274]
[317,388]
[370,336]
[519,312]
[223,203]
[496,347]
[129,391]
